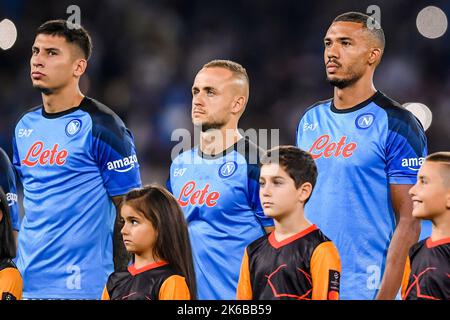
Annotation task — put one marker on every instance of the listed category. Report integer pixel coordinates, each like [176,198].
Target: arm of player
[244,287]
[405,235]
[121,256]
[325,272]
[11,284]
[174,288]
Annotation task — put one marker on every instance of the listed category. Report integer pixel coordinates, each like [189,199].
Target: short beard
[210,126]
[344,83]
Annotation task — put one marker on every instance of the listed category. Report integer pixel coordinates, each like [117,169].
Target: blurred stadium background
[146,54]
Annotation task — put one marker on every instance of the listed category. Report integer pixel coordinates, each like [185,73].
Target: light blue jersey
[71,163]
[8,184]
[359,152]
[220,199]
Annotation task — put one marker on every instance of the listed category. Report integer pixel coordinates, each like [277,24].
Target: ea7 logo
[179,172]
[24,133]
[412,163]
[310,126]
[123,165]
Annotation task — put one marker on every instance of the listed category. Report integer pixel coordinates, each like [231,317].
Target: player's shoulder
[319,236]
[186,157]
[251,152]
[36,110]
[257,244]
[102,116]
[318,106]
[4,160]
[415,248]
[7,264]
[395,112]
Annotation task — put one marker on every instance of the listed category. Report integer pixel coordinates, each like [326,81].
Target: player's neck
[214,142]
[62,100]
[290,224]
[144,259]
[441,227]
[351,96]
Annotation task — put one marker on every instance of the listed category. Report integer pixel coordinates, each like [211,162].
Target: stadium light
[431,22]
[8,34]
[422,112]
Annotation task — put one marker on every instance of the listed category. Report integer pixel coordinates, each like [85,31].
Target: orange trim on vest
[134,271]
[432,244]
[278,244]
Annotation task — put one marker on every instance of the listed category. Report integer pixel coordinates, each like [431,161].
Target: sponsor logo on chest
[323,146]
[191,195]
[39,155]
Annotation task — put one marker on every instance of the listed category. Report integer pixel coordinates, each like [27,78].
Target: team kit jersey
[10,281]
[71,163]
[157,281]
[359,152]
[220,199]
[304,266]
[427,272]
[8,184]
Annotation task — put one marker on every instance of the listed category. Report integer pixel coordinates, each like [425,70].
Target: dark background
[146,54]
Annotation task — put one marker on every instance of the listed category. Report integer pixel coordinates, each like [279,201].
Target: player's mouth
[416,202]
[127,242]
[36,75]
[198,112]
[332,67]
[267,204]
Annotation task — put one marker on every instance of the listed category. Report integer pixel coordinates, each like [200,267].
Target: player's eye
[210,93]
[134,222]
[194,92]
[34,51]
[52,53]
[327,43]
[261,183]
[346,43]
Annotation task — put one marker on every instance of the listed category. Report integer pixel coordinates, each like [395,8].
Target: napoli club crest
[227,169]
[73,127]
[365,120]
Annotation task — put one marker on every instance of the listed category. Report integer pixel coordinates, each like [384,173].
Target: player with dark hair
[216,182]
[296,261]
[8,183]
[75,158]
[10,280]
[368,149]
[155,232]
[427,274]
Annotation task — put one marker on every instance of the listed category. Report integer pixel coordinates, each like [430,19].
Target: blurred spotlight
[422,112]
[8,34]
[431,22]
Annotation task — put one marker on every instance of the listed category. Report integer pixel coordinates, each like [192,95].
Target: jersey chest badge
[73,127]
[227,169]
[365,120]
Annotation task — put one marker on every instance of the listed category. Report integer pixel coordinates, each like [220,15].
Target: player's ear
[374,56]
[80,66]
[238,105]
[304,191]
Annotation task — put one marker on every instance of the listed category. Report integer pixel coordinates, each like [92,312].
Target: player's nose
[331,51]
[412,190]
[124,230]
